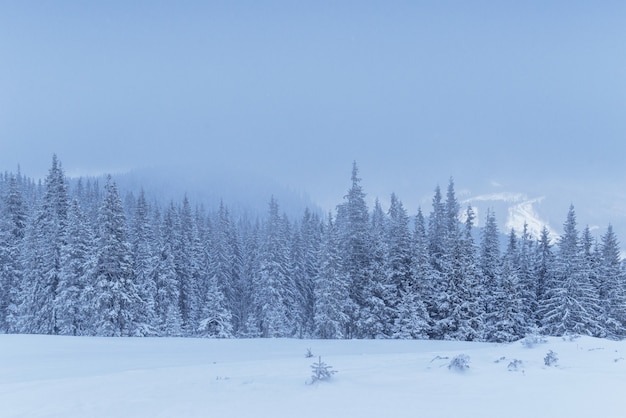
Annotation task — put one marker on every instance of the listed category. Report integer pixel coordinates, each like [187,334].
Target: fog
[523,98]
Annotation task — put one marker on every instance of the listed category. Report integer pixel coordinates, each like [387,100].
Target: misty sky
[503,96]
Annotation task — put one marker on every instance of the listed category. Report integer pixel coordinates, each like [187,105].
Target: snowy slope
[45,376]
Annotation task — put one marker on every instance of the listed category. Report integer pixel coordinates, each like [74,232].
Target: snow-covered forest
[80,260]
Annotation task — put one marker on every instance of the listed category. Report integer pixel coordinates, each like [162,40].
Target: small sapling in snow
[550,359]
[321,371]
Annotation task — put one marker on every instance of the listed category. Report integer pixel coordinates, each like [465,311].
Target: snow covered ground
[46,376]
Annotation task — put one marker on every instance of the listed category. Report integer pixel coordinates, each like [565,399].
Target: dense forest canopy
[80,260]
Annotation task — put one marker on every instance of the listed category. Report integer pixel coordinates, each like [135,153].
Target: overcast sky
[526,96]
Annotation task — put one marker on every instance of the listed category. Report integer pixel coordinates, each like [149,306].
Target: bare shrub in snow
[459,363]
[309,353]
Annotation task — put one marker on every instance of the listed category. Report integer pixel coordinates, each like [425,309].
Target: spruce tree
[571,305]
[273,289]
[75,288]
[353,227]
[612,286]
[45,239]
[331,288]
[117,303]
[490,266]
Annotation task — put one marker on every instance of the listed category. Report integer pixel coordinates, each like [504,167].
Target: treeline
[77,261]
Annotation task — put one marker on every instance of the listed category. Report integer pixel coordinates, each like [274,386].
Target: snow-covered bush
[533,339]
[459,363]
[321,371]
[550,359]
[515,365]
[309,353]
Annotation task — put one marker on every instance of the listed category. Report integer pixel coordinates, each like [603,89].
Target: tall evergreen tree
[490,272]
[167,308]
[45,240]
[145,256]
[612,286]
[273,286]
[508,323]
[13,222]
[424,275]
[376,312]
[117,299]
[353,226]
[75,288]
[571,305]
[331,288]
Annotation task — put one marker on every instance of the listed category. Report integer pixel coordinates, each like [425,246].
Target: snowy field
[46,376]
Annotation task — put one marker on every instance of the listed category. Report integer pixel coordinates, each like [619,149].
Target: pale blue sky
[530,95]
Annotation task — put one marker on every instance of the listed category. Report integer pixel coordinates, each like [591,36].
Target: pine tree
[612,286]
[167,307]
[331,291]
[273,285]
[571,302]
[13,221]
[145,257]
[490,273]
[117,295]
[225,267]
[188,269]
[467,313]
[74,314]
[424,275]
[527,279]
[216,320]
[544,271]
[353,227]
[45,239]
[250,267]
[508,323]
[376,313]
[305,257]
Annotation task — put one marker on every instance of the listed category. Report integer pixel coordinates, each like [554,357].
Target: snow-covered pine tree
[331,288]
[167,307]
[508,322]
[215,318]
[117,302]
[188,269]
[571,301]
[273,285]
[543,271]
[45,238]
[306,257]
[74,290]
[353,226]
[491,273]
[424,275]
[145,256]
[398,240]
[449,290]
[527,279]
[612,286]
[376,313]
[250,262]
[467,313]
[224,266]
[13,221]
